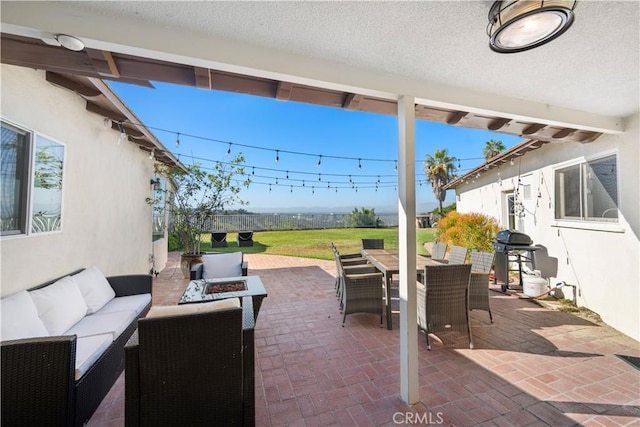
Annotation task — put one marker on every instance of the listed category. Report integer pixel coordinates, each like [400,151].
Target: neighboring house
[75,189]
[581,202]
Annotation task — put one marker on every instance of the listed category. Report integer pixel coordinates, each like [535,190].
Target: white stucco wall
[106,221]
[603,262]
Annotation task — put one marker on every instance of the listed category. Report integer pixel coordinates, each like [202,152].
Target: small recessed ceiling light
[69,42]
[519,25]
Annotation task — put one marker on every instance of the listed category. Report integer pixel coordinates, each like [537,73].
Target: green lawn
[315,243]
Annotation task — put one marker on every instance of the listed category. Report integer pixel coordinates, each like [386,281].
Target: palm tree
[492,148]
[439,170]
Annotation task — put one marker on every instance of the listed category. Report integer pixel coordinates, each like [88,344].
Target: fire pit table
[226,287]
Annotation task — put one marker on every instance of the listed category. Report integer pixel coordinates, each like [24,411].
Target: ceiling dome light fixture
[69,42]
[519,25]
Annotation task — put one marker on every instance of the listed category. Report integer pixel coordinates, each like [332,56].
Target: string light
[395,167]
[269,187]
[319,177]
[360,164]
[292,189]
[277,156]
[228,150]
[253,170]
[313,190]
[319,160]
[178,139]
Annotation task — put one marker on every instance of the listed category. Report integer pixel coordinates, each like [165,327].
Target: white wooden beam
[407,244]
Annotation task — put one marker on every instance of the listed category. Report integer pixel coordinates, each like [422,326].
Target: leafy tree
[197,195]
[365,218]
[439,170]
[492,148]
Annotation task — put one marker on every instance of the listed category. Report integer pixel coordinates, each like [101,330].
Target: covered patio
[532,366]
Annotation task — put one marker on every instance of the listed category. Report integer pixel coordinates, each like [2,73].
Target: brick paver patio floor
[532,366]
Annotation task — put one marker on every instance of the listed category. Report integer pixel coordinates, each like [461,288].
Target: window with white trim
[588,191]
[30,182]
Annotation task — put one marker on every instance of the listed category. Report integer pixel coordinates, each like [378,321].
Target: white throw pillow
[60,305]
[178,310]
[95,288]
[222,265]
[20,318]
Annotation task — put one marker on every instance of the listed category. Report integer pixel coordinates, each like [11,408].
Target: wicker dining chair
[362,293]
[443,300]
[457,254]
[372,243]
[481,263]
[438,251]
[344,260]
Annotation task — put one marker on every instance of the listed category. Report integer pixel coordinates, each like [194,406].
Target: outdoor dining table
[387,261]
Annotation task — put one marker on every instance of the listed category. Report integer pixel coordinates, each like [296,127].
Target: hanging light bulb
[350,179]
[395,167]
[287,174]
[253,170]
[359,164]
[291,189]
[511,162]
[319,160]
[269,187]
[152,154]
[276,181]
[178,139]
[459,165]
[319,177]
[277,156]
[303,182]
[228,150]
[313,190]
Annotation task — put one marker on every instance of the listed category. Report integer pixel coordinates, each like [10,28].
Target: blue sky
[214,119]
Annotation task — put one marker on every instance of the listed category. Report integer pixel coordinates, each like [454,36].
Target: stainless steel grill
[511,246]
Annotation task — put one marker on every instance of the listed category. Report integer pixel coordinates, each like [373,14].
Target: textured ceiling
[593,68]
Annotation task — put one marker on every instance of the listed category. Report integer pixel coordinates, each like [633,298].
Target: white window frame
[32,139]
[579,223]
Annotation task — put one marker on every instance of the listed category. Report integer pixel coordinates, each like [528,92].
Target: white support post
[407,244]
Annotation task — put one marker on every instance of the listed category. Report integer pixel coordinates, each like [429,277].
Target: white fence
[260,222]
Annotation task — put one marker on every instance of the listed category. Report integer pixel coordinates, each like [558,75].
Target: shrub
[472,230]
[365,218]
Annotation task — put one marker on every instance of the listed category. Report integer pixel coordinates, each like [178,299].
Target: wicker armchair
[481,263]
[444,299]
[372,243]
[457,254]
[198,270]
[194,369]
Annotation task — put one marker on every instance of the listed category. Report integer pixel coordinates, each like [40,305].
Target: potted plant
[197,195]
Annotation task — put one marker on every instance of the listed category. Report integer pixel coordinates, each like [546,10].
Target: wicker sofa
[61,378]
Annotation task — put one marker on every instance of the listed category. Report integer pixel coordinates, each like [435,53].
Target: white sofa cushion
[60,305]
[222,265]
[95,288]
[135,303]
[179,310]
[88,350]
[20,318]
[98,323]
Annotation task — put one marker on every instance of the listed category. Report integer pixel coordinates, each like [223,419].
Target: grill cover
[513,238]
